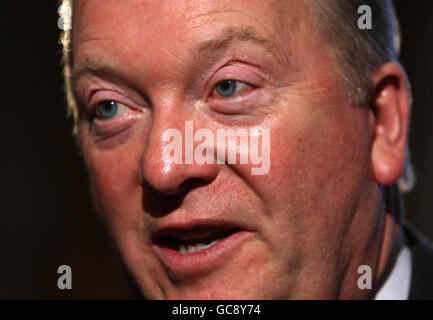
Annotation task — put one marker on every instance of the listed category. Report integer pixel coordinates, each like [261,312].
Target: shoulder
[421,286]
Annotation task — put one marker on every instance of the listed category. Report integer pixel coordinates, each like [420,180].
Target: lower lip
[181,265]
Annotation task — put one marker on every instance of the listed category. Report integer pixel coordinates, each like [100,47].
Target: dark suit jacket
[421,285]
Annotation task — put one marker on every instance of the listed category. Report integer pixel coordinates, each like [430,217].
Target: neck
[385,238]
[392,239]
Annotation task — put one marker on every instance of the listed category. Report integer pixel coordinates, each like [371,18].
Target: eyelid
[244,104]
[109,95]
[124,119]
[110,127]
[238,72]
[105,129]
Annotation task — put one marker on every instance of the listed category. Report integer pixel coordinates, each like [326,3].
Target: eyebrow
[107,71]
[245,34]
[92,67]
[223,41]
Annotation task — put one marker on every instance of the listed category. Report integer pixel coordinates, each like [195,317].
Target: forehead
[167,15]
[136,25]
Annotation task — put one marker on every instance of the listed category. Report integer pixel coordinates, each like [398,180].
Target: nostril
[159,205]
[174,183]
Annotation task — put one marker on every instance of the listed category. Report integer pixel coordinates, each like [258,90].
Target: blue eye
[231,88]
[107,109]
[226,88]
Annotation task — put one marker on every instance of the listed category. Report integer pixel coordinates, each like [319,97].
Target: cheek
[114,176]
[319,162]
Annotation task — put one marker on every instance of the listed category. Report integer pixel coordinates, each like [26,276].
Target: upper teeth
[184,249]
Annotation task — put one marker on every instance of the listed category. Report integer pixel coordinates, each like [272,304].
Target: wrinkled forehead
[137,24]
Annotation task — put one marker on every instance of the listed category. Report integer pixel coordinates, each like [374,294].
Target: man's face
[248,65]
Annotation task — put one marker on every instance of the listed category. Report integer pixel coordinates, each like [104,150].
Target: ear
[391,101]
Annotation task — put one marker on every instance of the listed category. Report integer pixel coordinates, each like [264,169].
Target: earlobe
[391,107]
[387,160]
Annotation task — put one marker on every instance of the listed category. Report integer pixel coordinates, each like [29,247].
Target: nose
[167,164]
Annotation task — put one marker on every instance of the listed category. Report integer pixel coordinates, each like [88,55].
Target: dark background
[46,217]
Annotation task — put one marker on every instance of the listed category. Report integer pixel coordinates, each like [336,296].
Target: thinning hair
[358,53]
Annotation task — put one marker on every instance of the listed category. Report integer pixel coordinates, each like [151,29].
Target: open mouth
[195,240]
[191,249]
